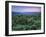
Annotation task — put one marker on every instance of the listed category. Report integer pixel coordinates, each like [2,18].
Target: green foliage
[26,22]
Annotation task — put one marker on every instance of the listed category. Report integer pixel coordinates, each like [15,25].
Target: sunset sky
[25,9]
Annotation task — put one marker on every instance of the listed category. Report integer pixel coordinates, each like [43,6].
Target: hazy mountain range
[26,13]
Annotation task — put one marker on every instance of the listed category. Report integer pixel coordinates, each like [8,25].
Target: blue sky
[25,9]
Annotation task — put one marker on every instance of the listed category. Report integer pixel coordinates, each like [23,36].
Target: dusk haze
[25,9]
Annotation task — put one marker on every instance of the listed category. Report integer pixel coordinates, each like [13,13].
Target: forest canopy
[26,22]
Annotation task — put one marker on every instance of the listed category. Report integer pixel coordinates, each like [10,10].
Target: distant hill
[26,13]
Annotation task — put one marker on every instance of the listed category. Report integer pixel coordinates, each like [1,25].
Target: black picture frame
[7,17]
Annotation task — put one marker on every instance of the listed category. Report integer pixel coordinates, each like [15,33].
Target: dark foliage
[26,22]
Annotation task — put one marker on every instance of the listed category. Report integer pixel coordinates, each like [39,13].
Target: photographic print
[25,18]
